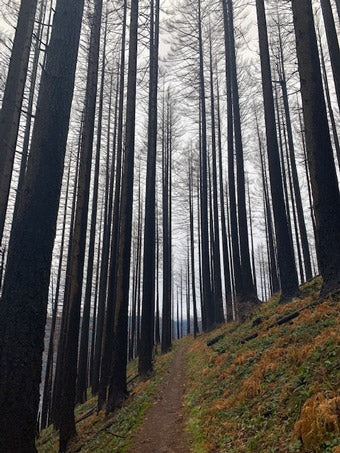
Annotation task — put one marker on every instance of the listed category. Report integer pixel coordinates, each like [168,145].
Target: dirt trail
[163,429]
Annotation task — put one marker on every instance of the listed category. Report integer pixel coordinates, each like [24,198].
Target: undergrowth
[98,433]
[279,392]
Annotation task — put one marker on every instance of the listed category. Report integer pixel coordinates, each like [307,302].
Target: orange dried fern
[319,416]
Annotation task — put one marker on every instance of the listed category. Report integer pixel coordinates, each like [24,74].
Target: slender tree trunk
[203,310]
[247,295]
[295,178]
[188,329]
[46,402]
[166,163]
[268,215]
[251,238]
[49,369]
[108,326]
[118,385]
[31,97]
[95,313]
[226,262]
[333,44]
[60,353]
[157,325]
[285,252]
[148,304]
[192,247]
[85,325]
[69,374]
[218,302]
[236,259]
[319,148]
[329,104]
[208,302]
[12,100]
[25,293]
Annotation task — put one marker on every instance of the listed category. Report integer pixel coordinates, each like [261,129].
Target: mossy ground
[276,393]
[94,431]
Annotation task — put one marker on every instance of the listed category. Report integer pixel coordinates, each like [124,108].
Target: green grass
[92,435]
[248,397]
[278,393]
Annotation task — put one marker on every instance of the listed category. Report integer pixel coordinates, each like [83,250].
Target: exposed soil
[163,429]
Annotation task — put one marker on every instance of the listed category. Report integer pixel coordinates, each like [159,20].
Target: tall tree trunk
[30,104]
[85,325]
[60,352]
[136,278]
[208,302]
[226,262]
[148,303]
[247,294]
[12,100]
[295,178]
[319,148]
[95,307]
[251,238]
[268,214]
[285,252]
[118,385]
[192,247]
[108,326]
[69,374]
[236,259]
[217,281]
[329,104]
[188,329]
[157,324]
[46,401]
[166,207]
[25,293]
[333,44]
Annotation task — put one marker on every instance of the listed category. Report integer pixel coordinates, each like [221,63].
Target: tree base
[329,289]
[116,399]
[285,298]
[245,308]
[66,435]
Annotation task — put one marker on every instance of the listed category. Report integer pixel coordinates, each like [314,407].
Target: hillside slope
[277,392]
[113,434]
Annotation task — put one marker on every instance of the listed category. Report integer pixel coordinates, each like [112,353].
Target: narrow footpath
[163,428]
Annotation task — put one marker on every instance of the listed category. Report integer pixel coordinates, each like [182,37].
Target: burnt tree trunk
[70,357]
[118,384]
[85,325]
[247,294]
[324,181]
[148,302]
[206,277]
[333,43]
[166,211]
[12,100]
[285,252]
[25,293]
[329,105]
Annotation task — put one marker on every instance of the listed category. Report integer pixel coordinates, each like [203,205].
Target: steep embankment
[277,392]
[271,384]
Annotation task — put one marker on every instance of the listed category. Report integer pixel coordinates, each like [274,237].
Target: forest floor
[163,428]
[264,386]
